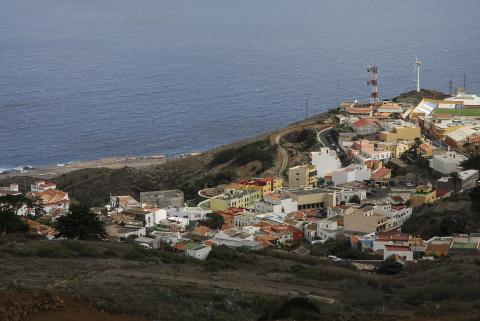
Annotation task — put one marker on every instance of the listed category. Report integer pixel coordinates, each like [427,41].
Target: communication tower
[374,99]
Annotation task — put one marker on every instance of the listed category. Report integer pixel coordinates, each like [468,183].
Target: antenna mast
[374,99]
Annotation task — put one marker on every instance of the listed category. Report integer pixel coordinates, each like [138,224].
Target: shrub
[53,250]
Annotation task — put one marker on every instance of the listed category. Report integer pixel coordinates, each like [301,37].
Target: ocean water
[86,79]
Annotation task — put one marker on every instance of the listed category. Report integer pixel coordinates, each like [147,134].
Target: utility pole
[465,83]
[450,88]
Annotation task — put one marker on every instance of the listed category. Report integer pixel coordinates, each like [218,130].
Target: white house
[326,161]
[41,186]
[404,251]
[447,162]
[397,213]
[276,203]
[327,228]
[236,237]
[197,250]
[192,214]
[351,173]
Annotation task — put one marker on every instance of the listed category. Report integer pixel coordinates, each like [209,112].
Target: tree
[80,223]
[355,199]
[418,141]
[10,222]
[455,176]
[389,267]
[214,221]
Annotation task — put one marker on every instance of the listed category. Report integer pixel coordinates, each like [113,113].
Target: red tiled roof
[357,110]
[381,172]
[398,248]
[363,122]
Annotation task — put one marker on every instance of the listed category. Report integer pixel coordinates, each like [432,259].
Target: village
[378,163]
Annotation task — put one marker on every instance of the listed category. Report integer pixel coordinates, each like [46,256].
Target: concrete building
[235,198]
[192,214]
[236,237]
[365,220]
[423,195]
[425,150]
[351,173]
[55,202]
[328,228]
[365,127]
[466,180]
[446,162]
[345,194]
[363,151]
[163,199]
[302,175]
[140,217]
[401,131]
[325,161]
[397,148]
[119,203]
[41,186]
[198,251]
[276,203]
[404,251]
[312,198]
[264,185]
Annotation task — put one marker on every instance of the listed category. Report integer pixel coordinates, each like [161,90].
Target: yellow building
[235,198]
[400,133]
[312,198]
[425,150]
[302,175]
[264,185]
[439,130]
[423,195]
[396,148]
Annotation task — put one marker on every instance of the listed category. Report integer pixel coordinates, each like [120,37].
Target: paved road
[282,153]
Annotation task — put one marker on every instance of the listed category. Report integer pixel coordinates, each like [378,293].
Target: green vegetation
[262,151]
[459,112]
[341,249]
[214,221]
[224,258]
[306,139]
[80,223]
[389,267]
[459,213]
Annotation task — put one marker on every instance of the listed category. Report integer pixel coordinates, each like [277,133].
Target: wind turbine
[417,67]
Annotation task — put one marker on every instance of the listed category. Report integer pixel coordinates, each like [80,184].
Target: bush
[389,267]
[54,250]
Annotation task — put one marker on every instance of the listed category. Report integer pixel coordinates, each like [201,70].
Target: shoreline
[53,170]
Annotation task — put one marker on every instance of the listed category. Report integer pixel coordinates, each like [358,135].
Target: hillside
[258,156]
[413,97]
[456,214]
[119,278]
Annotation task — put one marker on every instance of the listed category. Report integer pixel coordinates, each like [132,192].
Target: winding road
[282,153]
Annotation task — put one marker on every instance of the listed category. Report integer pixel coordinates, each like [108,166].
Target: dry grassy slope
[412,97]
[93,186]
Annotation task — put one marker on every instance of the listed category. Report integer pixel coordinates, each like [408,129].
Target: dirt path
[229,281]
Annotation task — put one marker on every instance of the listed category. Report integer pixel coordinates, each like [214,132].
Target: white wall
[326,161]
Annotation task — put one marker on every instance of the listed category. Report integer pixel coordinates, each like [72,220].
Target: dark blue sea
[87,79]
